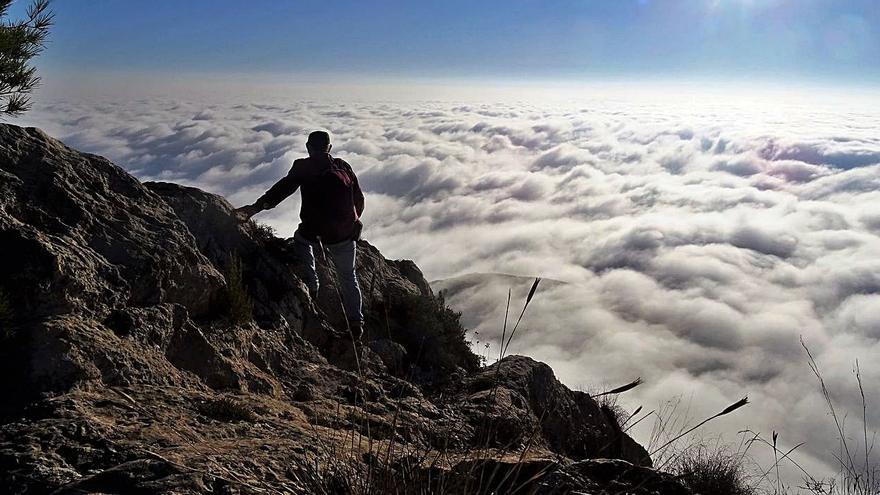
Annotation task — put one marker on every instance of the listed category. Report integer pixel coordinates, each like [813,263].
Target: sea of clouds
[688,239]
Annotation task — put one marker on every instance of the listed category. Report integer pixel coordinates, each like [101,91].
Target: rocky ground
[150,343]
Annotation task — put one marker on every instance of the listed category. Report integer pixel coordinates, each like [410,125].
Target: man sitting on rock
[332,203]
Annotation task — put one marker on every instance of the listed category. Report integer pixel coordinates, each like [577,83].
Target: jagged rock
[189,349]
[269,266]
[74,228]
[520,395]
[121,339]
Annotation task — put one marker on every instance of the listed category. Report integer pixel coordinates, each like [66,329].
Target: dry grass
[700,466]
[612,410]
[361,465]
[857,475]
[227,409]
[715,468]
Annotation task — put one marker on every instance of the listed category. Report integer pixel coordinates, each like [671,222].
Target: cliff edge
[150,343]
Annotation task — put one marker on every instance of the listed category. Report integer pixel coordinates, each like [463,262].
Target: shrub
[432,334]
[238,303]
[612,411]
[715,469]
[263,232]
[608,402]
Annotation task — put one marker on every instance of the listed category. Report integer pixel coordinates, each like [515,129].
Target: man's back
[330,206]
[332,203]
[332,200]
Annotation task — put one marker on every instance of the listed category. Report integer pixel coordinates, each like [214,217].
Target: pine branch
[20,42]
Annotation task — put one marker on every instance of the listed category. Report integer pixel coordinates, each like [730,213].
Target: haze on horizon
[785,41]
[703,174]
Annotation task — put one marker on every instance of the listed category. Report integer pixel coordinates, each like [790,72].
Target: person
[332,204]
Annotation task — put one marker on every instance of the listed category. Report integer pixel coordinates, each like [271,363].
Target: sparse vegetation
[227,409]
[724,469]
[608,402]
[857,475]
[20,42]
[263,232]
[421,323]
[239,306]
[615,413]
[717,469]
[688,430]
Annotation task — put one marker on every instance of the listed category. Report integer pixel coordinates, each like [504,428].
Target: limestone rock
[521,395]
[78,231]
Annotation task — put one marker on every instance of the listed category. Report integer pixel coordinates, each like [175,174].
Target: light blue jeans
[343,255]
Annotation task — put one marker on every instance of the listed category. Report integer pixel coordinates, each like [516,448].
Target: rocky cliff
[150,343]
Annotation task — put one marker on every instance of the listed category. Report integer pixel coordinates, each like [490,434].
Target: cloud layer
[697,238]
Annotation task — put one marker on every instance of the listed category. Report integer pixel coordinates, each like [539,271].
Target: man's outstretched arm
[276,194]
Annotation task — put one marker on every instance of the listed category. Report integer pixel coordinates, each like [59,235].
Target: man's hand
[246,212]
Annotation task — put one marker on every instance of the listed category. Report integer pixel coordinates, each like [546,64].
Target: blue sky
[518,39]
[703,230]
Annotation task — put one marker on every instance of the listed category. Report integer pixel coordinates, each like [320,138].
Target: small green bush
[239,305]
[432,334]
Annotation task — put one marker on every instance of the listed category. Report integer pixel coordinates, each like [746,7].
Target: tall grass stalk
[727,410]
[619,390]
[523,312]
[504,327]
[854,481]
[485,430]
[848,463]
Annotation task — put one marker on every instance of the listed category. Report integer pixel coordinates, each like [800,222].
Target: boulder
[518,396]
[79,233]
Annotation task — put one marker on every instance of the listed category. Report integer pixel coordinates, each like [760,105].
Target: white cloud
[698,238]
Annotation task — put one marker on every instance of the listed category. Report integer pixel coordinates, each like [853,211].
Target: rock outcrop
[150,343]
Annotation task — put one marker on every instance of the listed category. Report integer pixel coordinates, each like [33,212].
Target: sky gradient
[701,176]
[580,40]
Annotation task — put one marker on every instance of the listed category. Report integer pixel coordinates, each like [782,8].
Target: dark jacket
[314,218]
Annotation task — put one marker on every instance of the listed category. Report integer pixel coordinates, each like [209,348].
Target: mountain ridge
[125,372]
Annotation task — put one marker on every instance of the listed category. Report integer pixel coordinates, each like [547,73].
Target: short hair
[319,140]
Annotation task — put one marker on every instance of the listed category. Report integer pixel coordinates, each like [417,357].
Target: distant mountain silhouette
[457,284]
